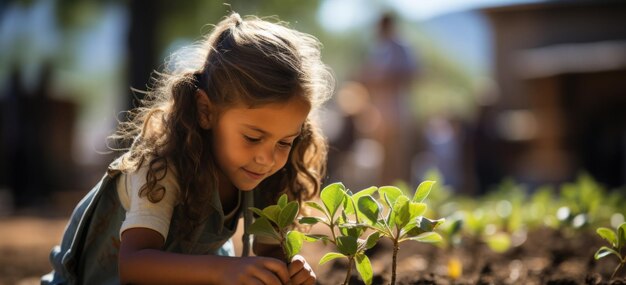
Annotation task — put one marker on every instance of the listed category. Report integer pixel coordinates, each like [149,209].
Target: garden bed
[548,256]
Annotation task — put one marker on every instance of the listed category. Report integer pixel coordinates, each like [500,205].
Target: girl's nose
[265,156]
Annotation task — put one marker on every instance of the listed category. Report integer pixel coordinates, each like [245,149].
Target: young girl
[213,139]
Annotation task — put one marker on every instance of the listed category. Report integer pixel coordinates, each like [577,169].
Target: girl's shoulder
[133,179]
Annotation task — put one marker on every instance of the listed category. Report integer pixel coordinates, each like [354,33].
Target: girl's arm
[141,260]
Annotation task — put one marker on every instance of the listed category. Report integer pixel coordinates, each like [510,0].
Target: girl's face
[251,144]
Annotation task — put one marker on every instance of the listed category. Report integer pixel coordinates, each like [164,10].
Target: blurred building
[561,73]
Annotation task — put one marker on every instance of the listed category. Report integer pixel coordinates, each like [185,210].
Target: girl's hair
[252,62]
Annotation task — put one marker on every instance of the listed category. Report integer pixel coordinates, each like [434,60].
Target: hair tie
[198,81]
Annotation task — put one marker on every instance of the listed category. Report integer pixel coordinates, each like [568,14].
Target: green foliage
[401,218]
[502,218]
[539,209]
[347,229]
[581,202]
[617,241]
[394,215]
[274,221]
[451,230]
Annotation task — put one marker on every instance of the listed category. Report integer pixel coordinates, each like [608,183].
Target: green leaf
[428,237]
[455,227]
[258,212]
[352,229]
[332,197]
[499,242]
[316,237]
[348,205]
[353,225]
[423,190]
[293,243]
[411,229]
[272,212]
[621,235]
[608,234]
[310,220]
[364,267]
[288,214]
[347,245]
[389,220]
[421,225]
[262,227]
[604,251]
[401,212]
[367,191]
[416,209]
[369,208]
[428,225]
[372,240]
[330,256]
[282,201]
[315,206]
[349,208]
[341,223]
[391,192]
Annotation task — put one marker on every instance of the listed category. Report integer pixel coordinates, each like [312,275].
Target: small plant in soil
[617,242]
[451,231]
[582,201]
[346,234]
[481,227]
[404,219]
[275,222]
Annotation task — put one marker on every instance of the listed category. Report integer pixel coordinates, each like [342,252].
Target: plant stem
[283,246]
[350,263]
[617,269]
[396,247]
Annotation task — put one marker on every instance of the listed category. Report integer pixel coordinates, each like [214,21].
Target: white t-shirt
[140,212]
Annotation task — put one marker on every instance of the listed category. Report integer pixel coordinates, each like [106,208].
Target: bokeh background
[482,91]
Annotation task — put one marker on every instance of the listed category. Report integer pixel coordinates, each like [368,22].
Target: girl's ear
[204,109]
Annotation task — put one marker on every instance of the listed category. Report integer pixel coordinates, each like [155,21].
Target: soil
[25,244]
[546,257]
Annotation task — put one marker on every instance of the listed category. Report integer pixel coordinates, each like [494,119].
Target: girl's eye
[251,139]
[285,144]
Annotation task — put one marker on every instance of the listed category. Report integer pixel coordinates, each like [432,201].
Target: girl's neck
[228,194]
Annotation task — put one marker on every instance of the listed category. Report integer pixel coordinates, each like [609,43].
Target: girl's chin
[246,189]
[248,186]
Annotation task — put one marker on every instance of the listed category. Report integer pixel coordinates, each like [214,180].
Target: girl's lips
[253,175]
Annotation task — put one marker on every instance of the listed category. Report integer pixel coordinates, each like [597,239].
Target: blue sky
[338,16]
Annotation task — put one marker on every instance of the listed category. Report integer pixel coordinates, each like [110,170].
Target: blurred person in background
[388,73]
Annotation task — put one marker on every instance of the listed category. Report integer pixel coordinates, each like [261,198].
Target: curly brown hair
[248,61]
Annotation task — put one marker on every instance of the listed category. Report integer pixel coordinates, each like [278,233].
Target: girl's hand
[301,272]
[255,270]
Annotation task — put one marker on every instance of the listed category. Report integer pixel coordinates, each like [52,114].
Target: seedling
[451,231]
[617,240]
[582,201]
[345,233]
[404,219]
[274,222]
[539,208]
